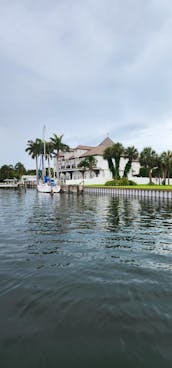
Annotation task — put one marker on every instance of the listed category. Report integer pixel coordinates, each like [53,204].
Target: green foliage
[107,155]
[19,169]
[132,154]
[31,172]
[88,163]
[56,144]
[83,165]
[10,172]
[117,151]
[120,182]
[7,172]
[157,166]
[114,153]
[137,186]
[144,172]
[166,165]
[35,148]
[149,159]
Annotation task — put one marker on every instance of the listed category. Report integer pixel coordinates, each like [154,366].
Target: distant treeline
[16,171]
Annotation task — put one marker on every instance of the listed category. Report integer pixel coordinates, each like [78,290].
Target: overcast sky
[85,69]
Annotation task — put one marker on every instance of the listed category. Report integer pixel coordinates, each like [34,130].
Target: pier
[78,189]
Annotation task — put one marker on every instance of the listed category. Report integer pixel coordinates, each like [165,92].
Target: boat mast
[44,169]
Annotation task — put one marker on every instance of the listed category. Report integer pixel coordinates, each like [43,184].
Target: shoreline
[130,192]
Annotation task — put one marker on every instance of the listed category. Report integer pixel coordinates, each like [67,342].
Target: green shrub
[131,182]
[120,182]
[110,183]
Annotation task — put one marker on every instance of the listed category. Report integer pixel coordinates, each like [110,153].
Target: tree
[111,153]
[107,155]
[83,165]
[7,172]
[31,172]
[148,159]
[88,163]
[158,170]
[117,151]
[19,169]
[132,154]
[35,149]
[49,155]
[57,147]
[91,163]
[166,161]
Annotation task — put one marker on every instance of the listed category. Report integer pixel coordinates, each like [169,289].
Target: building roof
[99,150]
[107,142]
[90,150]
[82,147]
[62,153]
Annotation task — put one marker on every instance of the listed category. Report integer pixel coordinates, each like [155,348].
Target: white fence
[134,193]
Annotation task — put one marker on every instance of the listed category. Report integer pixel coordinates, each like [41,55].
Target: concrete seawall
[149,193]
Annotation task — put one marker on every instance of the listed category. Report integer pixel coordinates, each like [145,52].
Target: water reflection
[122,212]
[85,281]
[83,227]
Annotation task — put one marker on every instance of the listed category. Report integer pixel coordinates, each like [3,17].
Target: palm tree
[132,154]
[166,158]
[34,149]
[83,165]
[49,155]
[159,167]
[57,147]
[91,163]
[88,163]
[117,151]
[20,169]
[107,155]
[148,159]
[114,152]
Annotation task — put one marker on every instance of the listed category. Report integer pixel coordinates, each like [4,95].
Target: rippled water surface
[85,281]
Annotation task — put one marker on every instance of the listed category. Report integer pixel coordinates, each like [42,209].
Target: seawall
[149,193]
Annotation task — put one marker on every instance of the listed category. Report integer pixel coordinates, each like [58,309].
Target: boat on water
[9,184]
[48,186]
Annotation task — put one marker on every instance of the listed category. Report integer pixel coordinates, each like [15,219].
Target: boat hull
[9,186]
[45,188]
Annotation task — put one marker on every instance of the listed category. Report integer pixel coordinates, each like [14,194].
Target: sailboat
[47,185]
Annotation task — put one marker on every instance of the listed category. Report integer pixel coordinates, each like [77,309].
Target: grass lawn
[139,186]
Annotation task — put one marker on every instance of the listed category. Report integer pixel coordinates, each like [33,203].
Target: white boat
[9,183]
[48,188]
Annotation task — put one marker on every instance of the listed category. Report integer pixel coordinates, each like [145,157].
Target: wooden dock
[77,189]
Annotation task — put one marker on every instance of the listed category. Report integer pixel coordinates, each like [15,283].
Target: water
[84,281]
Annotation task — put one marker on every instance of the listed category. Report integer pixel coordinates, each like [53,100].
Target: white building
[69,171]
[29,180]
